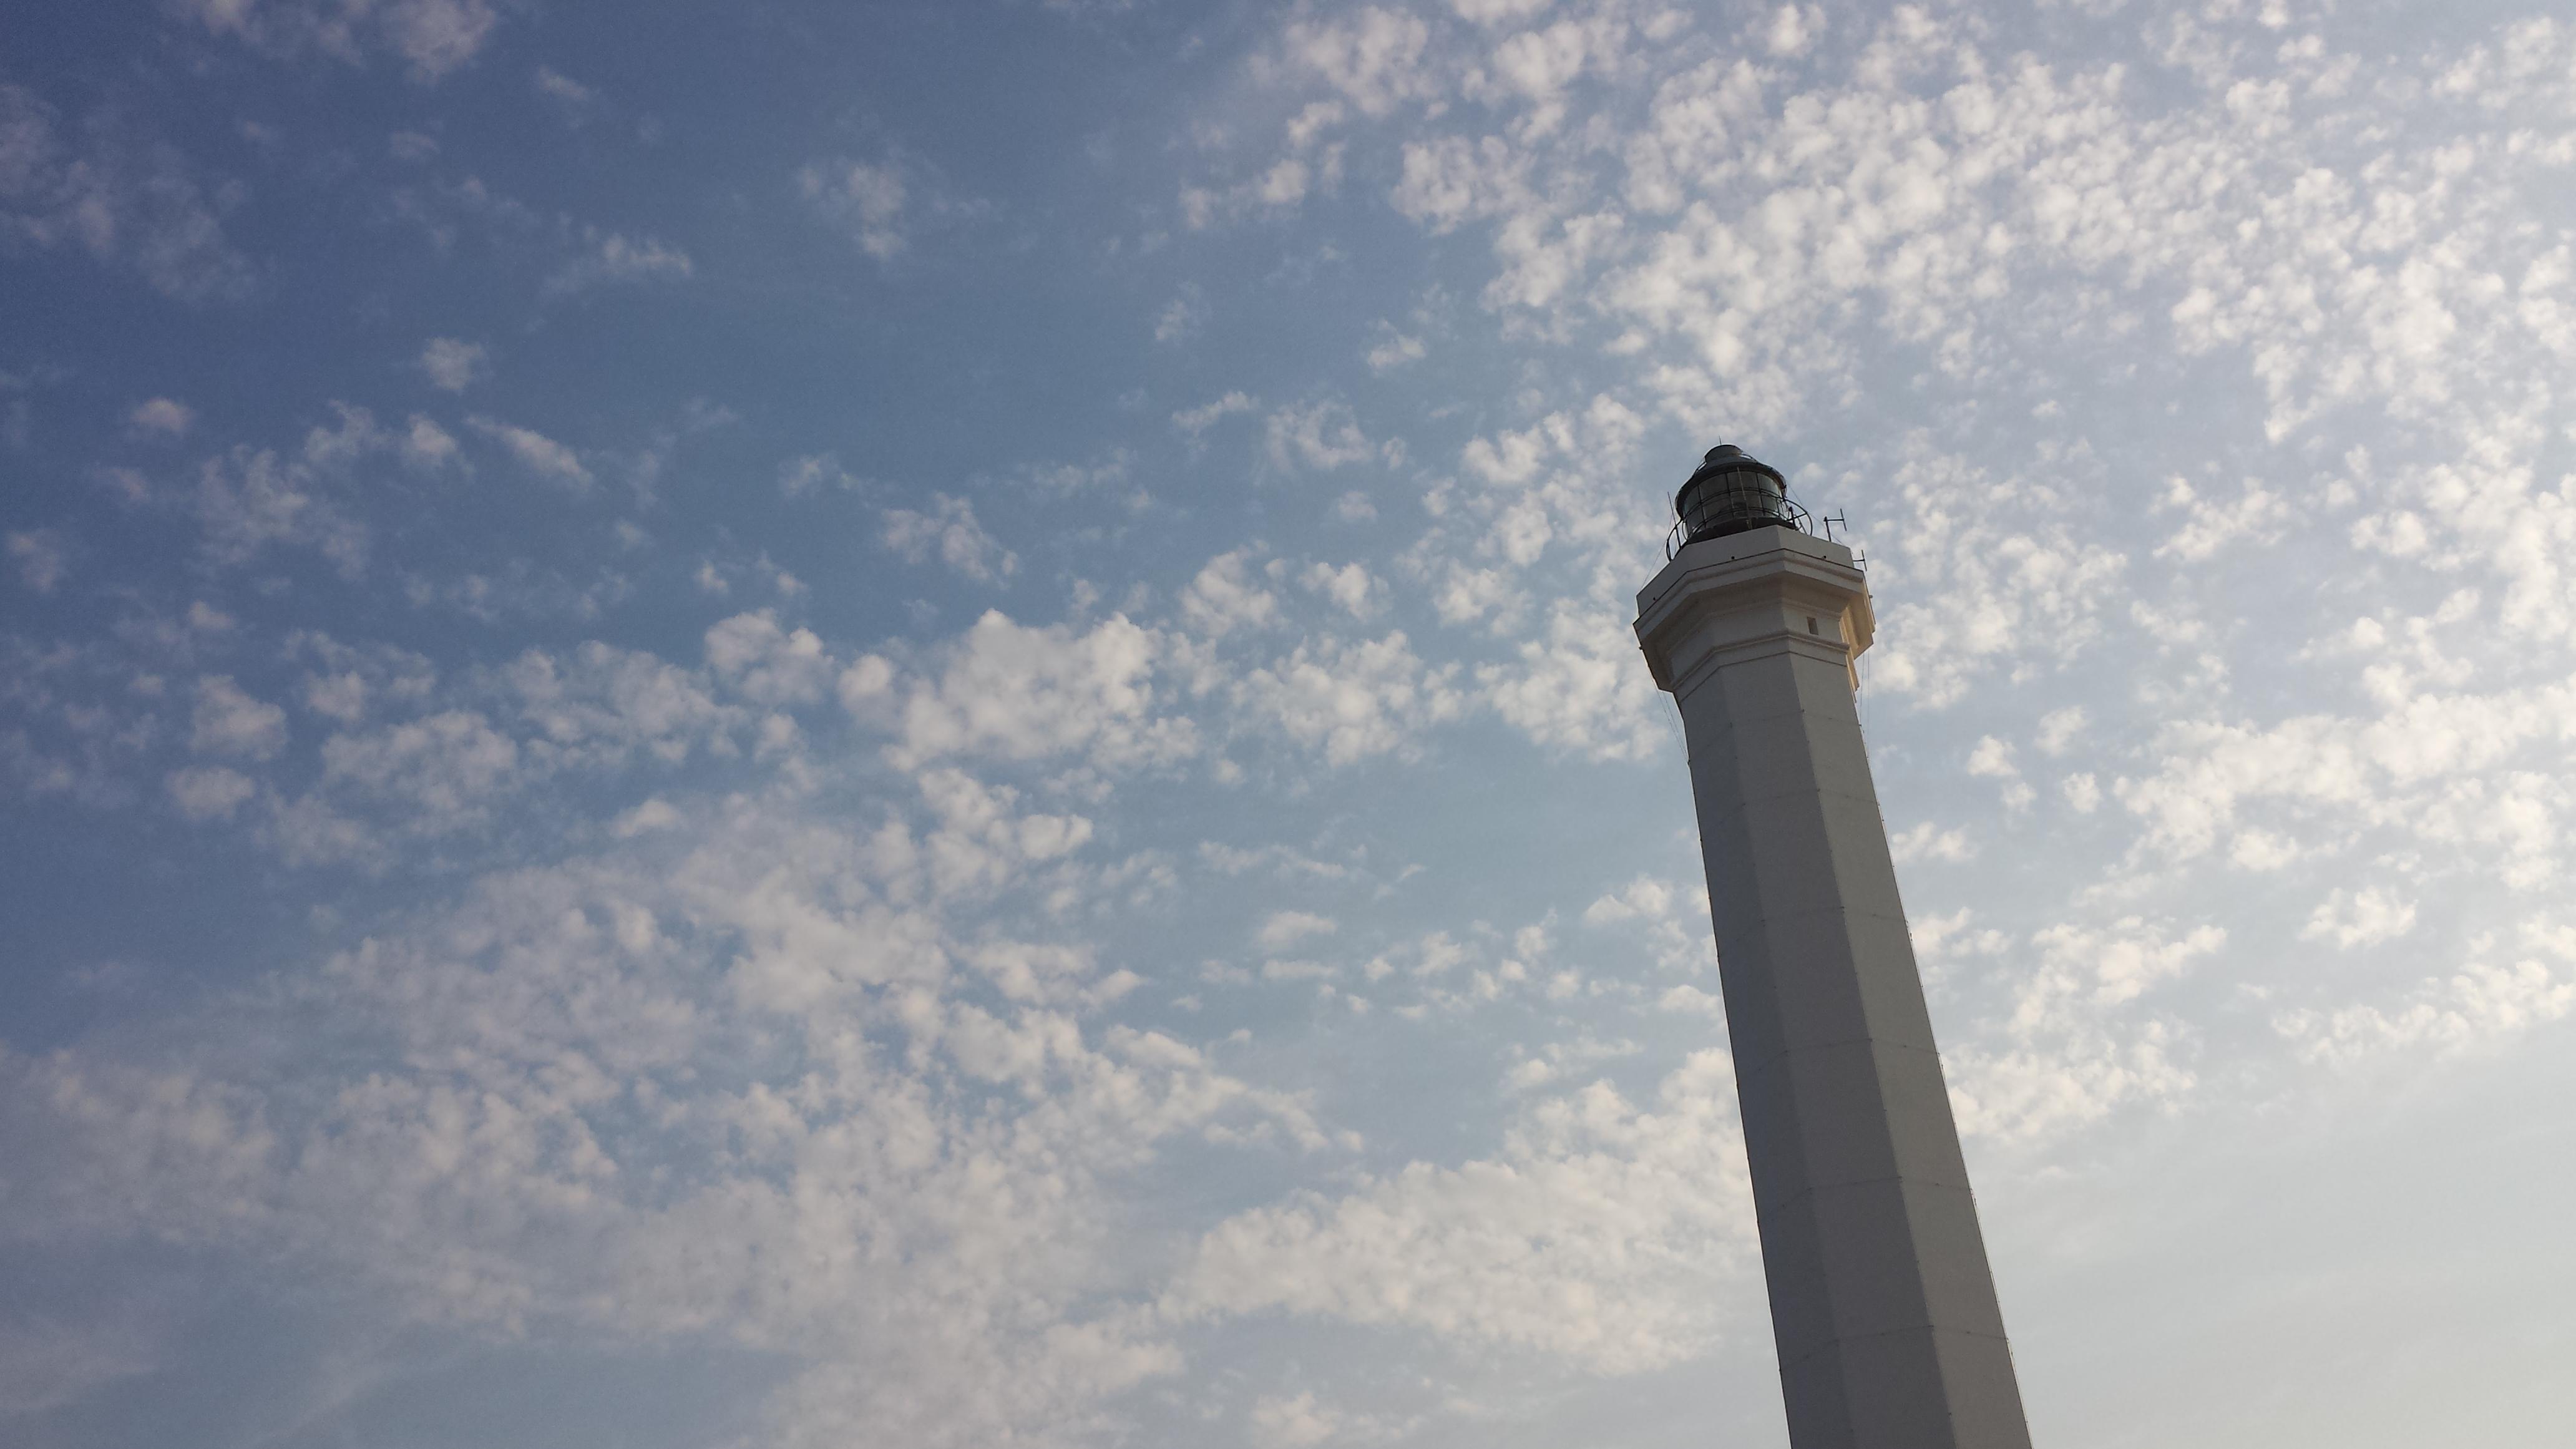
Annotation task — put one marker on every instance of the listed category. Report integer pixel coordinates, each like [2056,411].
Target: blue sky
[915,724]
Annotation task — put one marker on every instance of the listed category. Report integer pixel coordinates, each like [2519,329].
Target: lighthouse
[1882,1303]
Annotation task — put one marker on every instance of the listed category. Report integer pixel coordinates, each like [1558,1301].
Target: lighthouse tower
[1882,1303]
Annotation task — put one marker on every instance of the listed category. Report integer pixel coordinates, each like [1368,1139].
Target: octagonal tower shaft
[1882,1303]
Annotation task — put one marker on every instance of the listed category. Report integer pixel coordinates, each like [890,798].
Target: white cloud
[2365,918]
[2083,792]
[1603,1233]
[49,1362]
[1232,861]
[1580,688]
[454,365]
[950,528]
[1676,926]
[1644,896]
[1688,1000]
[1537,64]
[1351,586]
[2059,727]
[120,196]
[1450,181]
[767,664]
[1927,841]
[1394,350]
[866,688]
[1069,479]
[228,720]
[349,681]
[798,477]
[611,257]
[427,445]
[577,100]
[41,557]
[446,766]
[866,199]
[1375,58]
[1282,929]
[1291,1421]
[1022,693]
[1321,436]
[1226,596]
[209,792]
[1352,699]
[2074,1048]
[341,696]
[597,705]
[1992,759]
[434,36]
[1790,30]
[1274,191]
[539,454]
[1977,598]
[2258,516]
[939,1205]
[332,448]
[810,473]
[1468,594]
[2483,1003]
[161,417]
[2442,764]
[437,36]
[1186,314]
[981,844]
[1197,420]
[1940,938]
[1284,184]
[1496,12]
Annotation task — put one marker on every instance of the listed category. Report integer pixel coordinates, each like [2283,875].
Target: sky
[916,724]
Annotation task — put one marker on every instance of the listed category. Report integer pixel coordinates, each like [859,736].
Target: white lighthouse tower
[1882,1303]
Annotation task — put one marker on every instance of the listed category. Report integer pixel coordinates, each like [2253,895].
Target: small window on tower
[1811,625]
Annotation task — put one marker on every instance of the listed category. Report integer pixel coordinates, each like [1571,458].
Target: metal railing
[1776,512]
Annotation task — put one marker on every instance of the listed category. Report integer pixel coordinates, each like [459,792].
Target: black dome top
[1732,492]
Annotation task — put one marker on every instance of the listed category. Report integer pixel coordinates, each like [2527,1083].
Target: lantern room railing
[1783,514]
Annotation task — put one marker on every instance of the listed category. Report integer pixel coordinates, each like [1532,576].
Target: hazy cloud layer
[970,768]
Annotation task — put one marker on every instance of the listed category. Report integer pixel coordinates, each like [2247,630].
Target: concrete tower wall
[1882,1303]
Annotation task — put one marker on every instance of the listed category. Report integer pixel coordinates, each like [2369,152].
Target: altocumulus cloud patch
[972,758]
